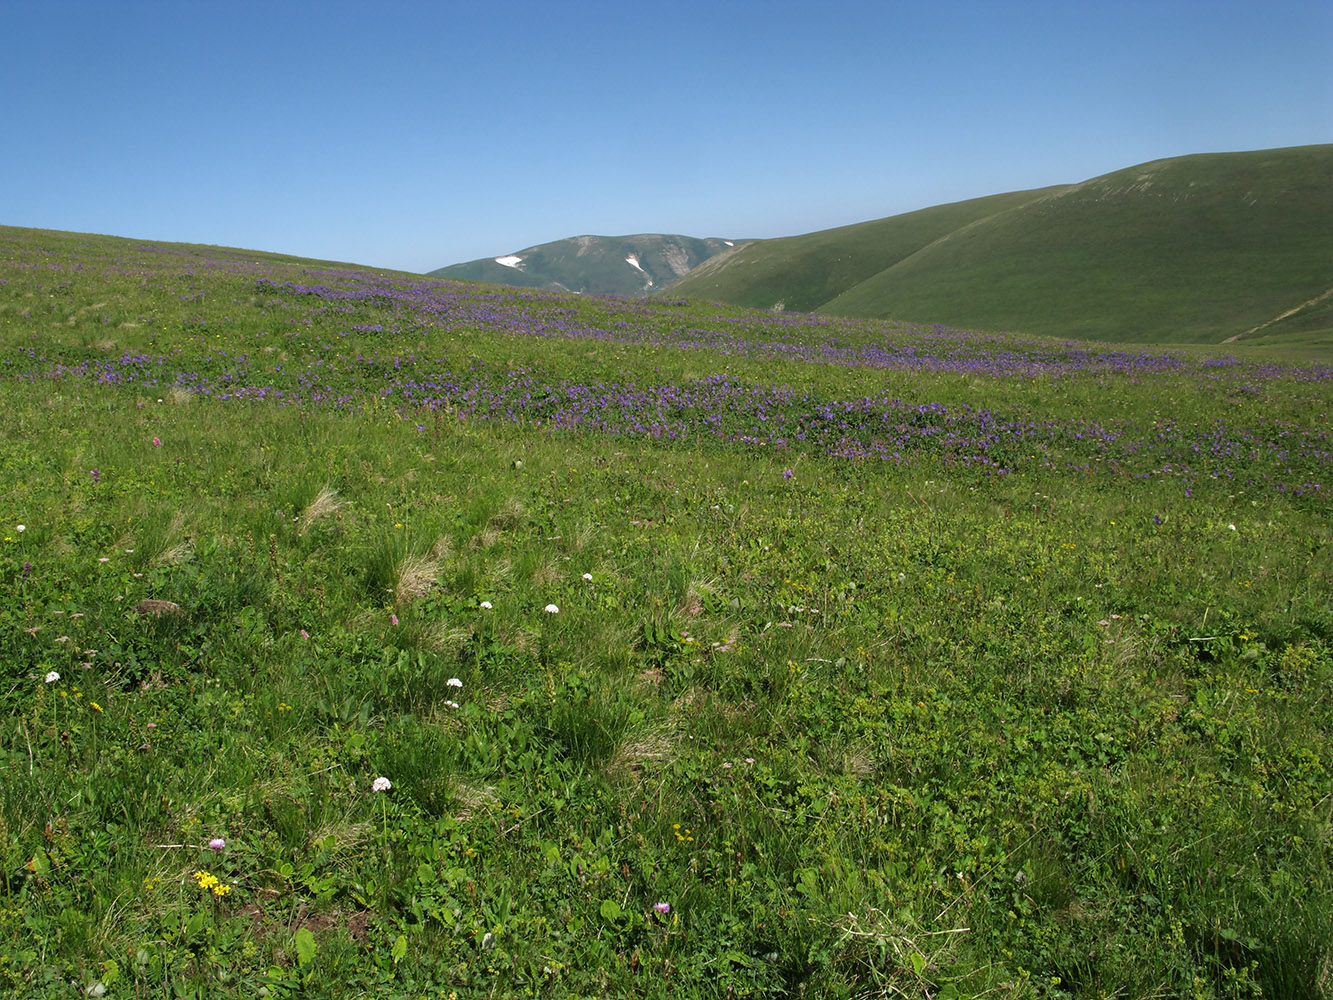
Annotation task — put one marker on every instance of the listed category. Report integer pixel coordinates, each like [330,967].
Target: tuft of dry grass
[693,604]
[472,797]
[499,572]
[417,576]
[520,640]
[347,835]
[546,574]
[442,639]
[509,516]
[325,502]
[157,608]
[582,537]
[650,743]
[443,549]
[174,554]
[174,548]
[485,539]
[859,763]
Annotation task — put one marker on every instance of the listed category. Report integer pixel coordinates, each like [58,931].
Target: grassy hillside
[602,265]
[1191,249]
[801,273]
[368,634]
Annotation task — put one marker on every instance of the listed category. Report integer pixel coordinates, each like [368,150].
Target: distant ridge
[1206,248]
[608,265]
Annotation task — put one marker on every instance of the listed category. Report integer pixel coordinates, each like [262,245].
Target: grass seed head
[324,503]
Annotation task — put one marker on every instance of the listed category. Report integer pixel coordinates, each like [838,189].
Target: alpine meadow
[373,634]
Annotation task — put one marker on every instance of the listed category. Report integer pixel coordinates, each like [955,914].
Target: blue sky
[415,135]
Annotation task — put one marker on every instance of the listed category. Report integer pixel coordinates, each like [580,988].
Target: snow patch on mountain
[510,261]
[633,261]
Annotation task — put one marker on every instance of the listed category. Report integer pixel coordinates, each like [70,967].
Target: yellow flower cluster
[683,836]
[209,883]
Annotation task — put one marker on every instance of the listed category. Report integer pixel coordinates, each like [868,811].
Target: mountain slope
[801,273]
[609,265]
[1196,248]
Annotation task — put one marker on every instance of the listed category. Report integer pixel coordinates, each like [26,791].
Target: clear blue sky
[415,134]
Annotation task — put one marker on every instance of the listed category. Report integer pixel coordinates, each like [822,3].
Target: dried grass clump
[485,539]
[441,638]
[510,515]
[325,502]
[547,573]
[417,576]
[693,605]
[520,640]
[156,608]
[473,797]
[651,743]
[859,763]
[347,835]
[499,572]
[171,547]
[181,552]
[582,538]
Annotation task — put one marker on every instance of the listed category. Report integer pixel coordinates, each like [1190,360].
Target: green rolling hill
[1206,248]
[802,273]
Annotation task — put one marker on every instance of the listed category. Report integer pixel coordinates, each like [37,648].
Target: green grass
[868,728]
[803,273]
[1194,249]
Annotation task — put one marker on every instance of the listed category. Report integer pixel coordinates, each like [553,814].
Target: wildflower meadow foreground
[406,638]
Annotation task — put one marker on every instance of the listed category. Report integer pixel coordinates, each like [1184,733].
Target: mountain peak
[630,266]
